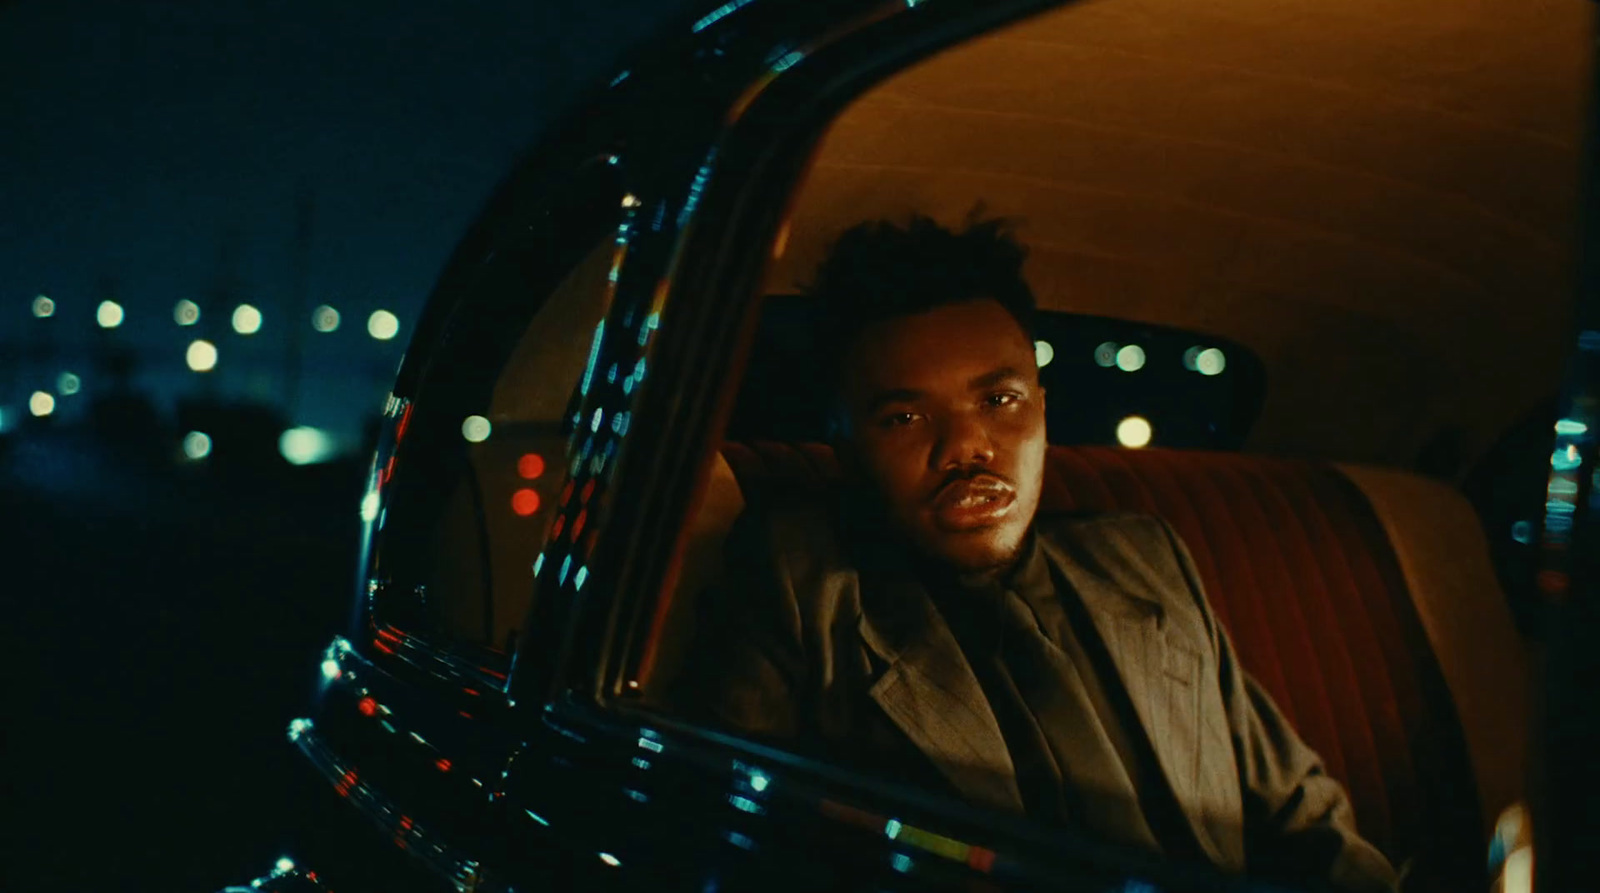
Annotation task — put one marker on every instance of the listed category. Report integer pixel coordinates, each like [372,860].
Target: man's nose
[963,441]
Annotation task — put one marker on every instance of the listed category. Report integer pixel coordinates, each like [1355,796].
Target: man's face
[947,424]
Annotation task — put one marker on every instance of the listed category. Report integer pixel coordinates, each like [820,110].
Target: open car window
[1330,345]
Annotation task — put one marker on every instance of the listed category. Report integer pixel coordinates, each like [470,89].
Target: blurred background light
[43,307]
[186,313]
[246,319]
[201,356]
[325,319]
[1190,357]
[197,445]
[41,404]
[1043,353]
[1130,358]
[530,466]
[1210,361]
[525,502]
[68,384]
[285,865]
[108,314]
[1106,354]
[306,445]
[1134,432]
[383,325]
[476,429]
[330,669]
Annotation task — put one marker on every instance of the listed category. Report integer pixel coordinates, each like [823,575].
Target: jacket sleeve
[1299,824]
[748,663]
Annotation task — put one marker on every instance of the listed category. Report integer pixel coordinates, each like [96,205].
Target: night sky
[156,151]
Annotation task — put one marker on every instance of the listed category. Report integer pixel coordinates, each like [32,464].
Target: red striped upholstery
[1301,574]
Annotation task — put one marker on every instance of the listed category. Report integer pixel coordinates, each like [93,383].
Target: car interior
[1341,238]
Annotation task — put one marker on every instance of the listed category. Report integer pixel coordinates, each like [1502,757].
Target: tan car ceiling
[1377,196]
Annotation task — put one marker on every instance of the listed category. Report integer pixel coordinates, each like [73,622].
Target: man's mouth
[973,504]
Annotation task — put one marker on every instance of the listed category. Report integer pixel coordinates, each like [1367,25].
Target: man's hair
[878,271]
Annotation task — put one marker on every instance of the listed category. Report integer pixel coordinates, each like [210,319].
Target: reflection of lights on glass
[1191,358]
[43,307]
[1106,354]
[41,404]
[579,577]
[305,445]
[1133,432]
[68,384]
[325,319]
[1210,361]
[285,865]
[538,564]
[197,445]
[1561,460]
[476,429]
[368,706]
[298,727]
[1571,426]
[201,356]
[186,313]
[901,862]
[1043,353]
[525,502]
[537,817]
[891,829]
[1522,532]
[610,860]
[330,669]
[759,781]
[369,506]
[1130,358]
[108,314]
[383,325]
[652,746]
[246,319]
[745,804]
[530,466]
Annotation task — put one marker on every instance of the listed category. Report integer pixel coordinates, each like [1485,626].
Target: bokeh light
[246,319]
[383,325]
[186,313]
[476,429]
[1210,361]
[201,356]
[1190,358]
[1134,432]
[305,445]
[43,307]
[369,506]
[525,502]
[325,319]
[68,384]
[1043,353]
[530,466]
[41,404]
[197,445]
[108,314]
[1130,358]
[1106,354]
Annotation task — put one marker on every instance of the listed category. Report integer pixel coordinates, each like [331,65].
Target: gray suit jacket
[819,649]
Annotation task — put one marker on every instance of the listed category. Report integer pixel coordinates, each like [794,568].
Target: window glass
[482,459]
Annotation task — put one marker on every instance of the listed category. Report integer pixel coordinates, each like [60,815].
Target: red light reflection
[368,706]
[530,466]
[525,502]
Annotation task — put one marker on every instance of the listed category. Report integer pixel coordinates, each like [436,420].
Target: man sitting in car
[930,625]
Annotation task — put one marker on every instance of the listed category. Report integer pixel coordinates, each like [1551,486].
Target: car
[1308,282]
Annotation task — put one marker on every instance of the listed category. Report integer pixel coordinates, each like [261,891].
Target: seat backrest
[1357,599]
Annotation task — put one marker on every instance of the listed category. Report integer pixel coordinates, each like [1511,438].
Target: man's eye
[1004,398]
[898,419]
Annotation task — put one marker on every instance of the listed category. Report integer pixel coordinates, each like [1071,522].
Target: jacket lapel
[1161,668]
[931,694]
